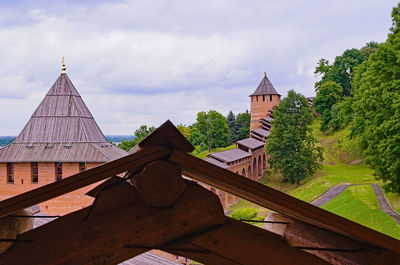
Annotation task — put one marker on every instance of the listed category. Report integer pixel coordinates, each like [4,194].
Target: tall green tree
[210,130]
[291,145]
[243,121]
[376,107]
[328,94]
[140,134]
[233,127]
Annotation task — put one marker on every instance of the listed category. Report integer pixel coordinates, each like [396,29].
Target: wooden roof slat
[278,201]
[44,193]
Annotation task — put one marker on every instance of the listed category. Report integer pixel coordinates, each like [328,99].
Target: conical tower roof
[265,88]
[62,117]
[61,129]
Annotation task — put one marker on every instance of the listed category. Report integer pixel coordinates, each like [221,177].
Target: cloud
[142,62]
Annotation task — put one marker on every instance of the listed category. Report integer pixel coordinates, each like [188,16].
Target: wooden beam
[278,201]
[156,178]
[12,226]
[239,243]
[332,247]
[44,193]
[118,226]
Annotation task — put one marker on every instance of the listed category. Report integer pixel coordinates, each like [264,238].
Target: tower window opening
[263,97]
[82,166]
[10,173]
[256,98]
[58,171]
[35,172]
[270,97]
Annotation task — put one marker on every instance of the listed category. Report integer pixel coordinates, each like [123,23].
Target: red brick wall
[260,108]
[47,174]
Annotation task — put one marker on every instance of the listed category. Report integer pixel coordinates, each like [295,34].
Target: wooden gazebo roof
[153,207]
[61,129]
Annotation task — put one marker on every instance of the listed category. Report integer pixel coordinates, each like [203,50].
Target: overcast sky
[143,62]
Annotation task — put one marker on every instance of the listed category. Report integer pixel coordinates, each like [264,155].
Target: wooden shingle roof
[61,117]
[61,129]
[230,155]
[265,88]
[251,143]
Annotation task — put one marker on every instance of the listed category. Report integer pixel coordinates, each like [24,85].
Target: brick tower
[61,139]
[262,101]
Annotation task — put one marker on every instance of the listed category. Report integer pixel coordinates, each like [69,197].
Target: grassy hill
[343,164]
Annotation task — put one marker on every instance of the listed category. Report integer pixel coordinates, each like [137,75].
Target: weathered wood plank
[239,243]
[118,227]
[82,179]
[270,198]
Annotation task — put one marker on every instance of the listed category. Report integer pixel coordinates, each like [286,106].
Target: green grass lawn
[359,204]
[204,154]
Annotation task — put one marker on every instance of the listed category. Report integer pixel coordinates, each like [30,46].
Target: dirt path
[384,204]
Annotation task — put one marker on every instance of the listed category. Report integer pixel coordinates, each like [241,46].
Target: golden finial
[265,73]
[63,66]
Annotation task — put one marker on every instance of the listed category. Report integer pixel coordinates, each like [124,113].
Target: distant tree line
[211,130]
[362,89]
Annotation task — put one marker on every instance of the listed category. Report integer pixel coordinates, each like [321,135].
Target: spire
[265,87]
[63,68]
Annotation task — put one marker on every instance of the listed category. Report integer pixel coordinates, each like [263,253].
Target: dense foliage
[291,144]
[140,134]
[376,107]
[239,126]
[210,130]
[335,85]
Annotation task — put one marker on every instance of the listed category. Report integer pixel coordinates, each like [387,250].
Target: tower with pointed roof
[262,102]
[60,139]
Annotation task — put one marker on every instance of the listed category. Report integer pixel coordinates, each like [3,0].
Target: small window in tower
[270,97]
[263,97]
[10,173]
[35,172]
[82,166]
[58,171]
[256,98]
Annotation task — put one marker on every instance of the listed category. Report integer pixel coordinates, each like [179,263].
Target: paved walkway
[328,195]
[384,204]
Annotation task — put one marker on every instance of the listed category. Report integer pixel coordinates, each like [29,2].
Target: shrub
[244,214]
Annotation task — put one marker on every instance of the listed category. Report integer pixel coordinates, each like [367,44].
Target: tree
[341,71]
[140,134]
[233,127]
[376,107]
[210,130]
[328,94]
[291,145]
[185,131]
[243,121]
